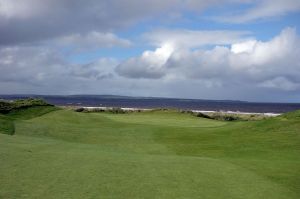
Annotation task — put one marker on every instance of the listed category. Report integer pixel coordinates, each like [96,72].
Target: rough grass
[7,121]
[223,116]
[6,125]
[7,106]
[160,154]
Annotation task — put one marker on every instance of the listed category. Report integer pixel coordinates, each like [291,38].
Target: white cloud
[182,38]
[250,62]
[149,65]
[217,73]
[281,83]
[243,47]
[45,67]
[276,55]
[262,10]
[183,62]
[173,47]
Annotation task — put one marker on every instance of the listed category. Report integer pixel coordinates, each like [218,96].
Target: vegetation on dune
[21,109]
[232,116]
[221,116]
[152,154]
[115,110]
[8,106]
[295,115]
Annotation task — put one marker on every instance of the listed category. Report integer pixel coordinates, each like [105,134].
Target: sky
[219,49]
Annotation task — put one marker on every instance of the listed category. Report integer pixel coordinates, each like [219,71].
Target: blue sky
[263,30]
[221,49]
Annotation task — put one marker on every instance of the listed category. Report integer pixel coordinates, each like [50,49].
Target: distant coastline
[242,107]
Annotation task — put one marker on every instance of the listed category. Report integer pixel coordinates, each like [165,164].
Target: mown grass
[159,154]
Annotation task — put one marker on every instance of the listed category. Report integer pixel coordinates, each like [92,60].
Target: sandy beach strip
[195,111]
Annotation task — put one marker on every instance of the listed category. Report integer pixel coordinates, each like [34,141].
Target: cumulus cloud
[149,65]
[173,45]
[48,69]
[273,63]
[42,70]
[19,65]
[278,55]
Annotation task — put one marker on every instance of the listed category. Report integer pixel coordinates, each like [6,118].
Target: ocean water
[186,104]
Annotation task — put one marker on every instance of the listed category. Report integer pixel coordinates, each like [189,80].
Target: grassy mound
[21,110]
[295,115]
[8,106]
[158,154]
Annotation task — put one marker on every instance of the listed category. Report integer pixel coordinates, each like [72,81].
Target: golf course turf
[60,153]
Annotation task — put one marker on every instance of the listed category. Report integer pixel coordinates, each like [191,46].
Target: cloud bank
[150,48]
[23,21]
[244,70]
[273,64]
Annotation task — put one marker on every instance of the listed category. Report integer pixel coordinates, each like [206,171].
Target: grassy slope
[7,120]
[64,154]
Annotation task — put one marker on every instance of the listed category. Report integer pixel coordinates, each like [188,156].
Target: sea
[155,102]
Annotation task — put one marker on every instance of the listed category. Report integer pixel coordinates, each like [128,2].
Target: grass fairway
[158,154]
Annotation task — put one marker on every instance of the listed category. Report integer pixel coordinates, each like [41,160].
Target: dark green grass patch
[8,106]
[6,125]
[7,121]
[31,112]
